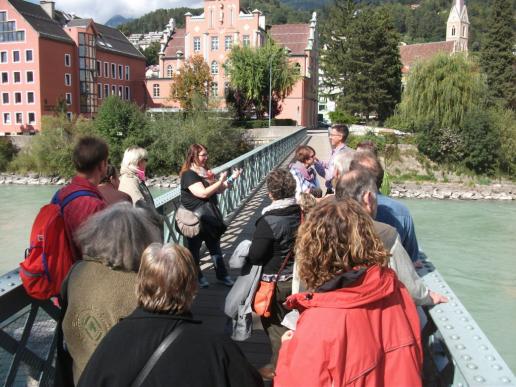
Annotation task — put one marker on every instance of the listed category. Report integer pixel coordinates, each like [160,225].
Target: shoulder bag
[188,223]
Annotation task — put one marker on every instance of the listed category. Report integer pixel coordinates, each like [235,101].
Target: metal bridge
[457,352]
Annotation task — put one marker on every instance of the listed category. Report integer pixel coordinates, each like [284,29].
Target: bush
[7,152]
[341,117]
[504,123]
[380,141]
[257,124]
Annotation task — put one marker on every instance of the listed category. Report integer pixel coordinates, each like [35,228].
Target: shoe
[203,282]
[226,281]
[267,373]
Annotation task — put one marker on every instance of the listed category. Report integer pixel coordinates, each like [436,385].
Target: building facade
[51,61]
[212,35]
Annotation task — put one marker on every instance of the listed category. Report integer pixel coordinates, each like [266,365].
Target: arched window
[297,68]
[453,31]
[464,31]
[170,71]
[214,67]
[214,89]
[155,90]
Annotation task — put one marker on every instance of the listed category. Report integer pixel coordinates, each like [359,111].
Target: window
[16,77]
[214,43]
[197,44]
[155,90]
[106,70]
[5,98]
[30,97]
[8,31]
[453,31]
[31,118]
[226,88]
[68,60]
[120,72]
[7,118]
[113,70]
[17,97]
[113,90]
[214,67]
[228,43]
[69,116]
[99,90]
[120,91]
[68,79]
[68,98]
[28,56]
[106,91]
[127,95]
[3,16]
[246,41]
[16,56]
[3,57]
[98,68]
[170,71]
[214,90]
[126,73]
[18,118]
[29,76]
[5,77]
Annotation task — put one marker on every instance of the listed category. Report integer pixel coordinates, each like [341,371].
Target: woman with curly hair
[358,324]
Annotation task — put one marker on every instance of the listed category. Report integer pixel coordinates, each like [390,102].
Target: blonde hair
[336,237]
[167,279]
[132,156]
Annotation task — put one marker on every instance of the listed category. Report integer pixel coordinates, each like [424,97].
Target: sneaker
[203,282]
[226,281]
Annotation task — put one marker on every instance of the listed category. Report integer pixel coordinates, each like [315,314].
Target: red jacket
[80,209]
[364,334]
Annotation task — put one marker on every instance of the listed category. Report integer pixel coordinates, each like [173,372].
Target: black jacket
[198,357]
[273,238]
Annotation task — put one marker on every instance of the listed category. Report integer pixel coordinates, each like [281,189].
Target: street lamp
[287,51]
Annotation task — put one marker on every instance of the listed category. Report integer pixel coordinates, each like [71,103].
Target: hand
[236,172]
[437,298]
[287,336]
[222,176]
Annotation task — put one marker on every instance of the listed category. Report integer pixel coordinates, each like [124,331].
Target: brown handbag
[265,292]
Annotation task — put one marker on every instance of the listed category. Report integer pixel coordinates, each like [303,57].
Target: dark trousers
[272,325]
[213,245]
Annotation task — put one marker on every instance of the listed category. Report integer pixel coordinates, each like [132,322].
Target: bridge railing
[27,327]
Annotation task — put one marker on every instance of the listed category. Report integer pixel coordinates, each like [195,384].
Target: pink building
[48,58]
[212,35]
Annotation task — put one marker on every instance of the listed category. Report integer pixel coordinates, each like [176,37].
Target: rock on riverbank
[454,191]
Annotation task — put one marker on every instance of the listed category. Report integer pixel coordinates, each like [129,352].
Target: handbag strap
[147,368]
[285,261]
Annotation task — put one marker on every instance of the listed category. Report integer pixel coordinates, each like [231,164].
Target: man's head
[338,134]
[342,162]
[90,157]
[370,162]
[359,185]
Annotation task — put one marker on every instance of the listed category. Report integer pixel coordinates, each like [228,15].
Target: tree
[192,81]
[362,60]
[497,58]
[248,71]
[151,54]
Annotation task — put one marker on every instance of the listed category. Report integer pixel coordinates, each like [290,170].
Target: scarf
[281,203]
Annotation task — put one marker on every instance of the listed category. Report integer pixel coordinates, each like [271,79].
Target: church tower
[457,29]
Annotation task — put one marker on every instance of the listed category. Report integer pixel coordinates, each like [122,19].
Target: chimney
[48,7]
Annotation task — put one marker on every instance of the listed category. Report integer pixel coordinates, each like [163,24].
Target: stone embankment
[454,191]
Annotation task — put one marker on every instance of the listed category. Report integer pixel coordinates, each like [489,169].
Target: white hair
[342,162]
[132,156]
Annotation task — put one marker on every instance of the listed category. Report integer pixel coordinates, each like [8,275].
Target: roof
[293,36]
[412,53]
[40,21]
[176,43]
[110,39]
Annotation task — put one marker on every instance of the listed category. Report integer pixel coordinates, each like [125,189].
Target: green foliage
[254,124]
[276,11]
[249,74]
[362,59]
[341,117]
[353,140]
[191,83]
[504,123]
[49,152]
[7,152]
[497,56]
[157,20]
[122,124]
[151,54]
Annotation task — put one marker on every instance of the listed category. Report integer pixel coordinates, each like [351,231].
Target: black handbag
[212,221]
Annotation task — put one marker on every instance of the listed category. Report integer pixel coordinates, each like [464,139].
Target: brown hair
[342,129]
[111,173]
[336,237]
[367,145]
[167,279]
[303,153]
[281,184]
[367,160]
[88,153]
[307,202]
[192,157]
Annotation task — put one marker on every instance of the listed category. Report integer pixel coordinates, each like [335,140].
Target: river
[471,243]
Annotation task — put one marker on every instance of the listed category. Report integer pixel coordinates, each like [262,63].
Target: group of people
[344,305]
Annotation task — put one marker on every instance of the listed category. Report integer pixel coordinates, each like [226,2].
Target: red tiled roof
[411,53]
[293,36]
[177,43]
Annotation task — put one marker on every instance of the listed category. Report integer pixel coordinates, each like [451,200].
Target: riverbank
[411,190]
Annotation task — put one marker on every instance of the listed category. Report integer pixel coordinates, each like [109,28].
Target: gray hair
[342,161]
[132,156]
[355,184]
[117,236]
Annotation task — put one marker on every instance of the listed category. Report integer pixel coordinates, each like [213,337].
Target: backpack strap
[67,199]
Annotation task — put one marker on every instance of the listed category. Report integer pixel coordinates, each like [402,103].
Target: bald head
[369,161]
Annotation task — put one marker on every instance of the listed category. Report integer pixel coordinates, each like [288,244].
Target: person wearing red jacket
[358,324]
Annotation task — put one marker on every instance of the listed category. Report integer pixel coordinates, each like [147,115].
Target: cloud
[102,10]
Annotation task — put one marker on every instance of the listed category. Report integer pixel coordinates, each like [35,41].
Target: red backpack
[49,257]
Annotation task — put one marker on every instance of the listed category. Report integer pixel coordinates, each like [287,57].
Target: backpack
[49,257]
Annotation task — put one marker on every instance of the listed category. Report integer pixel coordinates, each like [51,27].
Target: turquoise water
[472,244]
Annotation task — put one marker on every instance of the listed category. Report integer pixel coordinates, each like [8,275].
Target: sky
[103,10]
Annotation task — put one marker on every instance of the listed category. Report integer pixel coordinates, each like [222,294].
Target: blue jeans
[213,245]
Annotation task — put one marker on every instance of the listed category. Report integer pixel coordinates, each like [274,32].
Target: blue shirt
[397,215]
